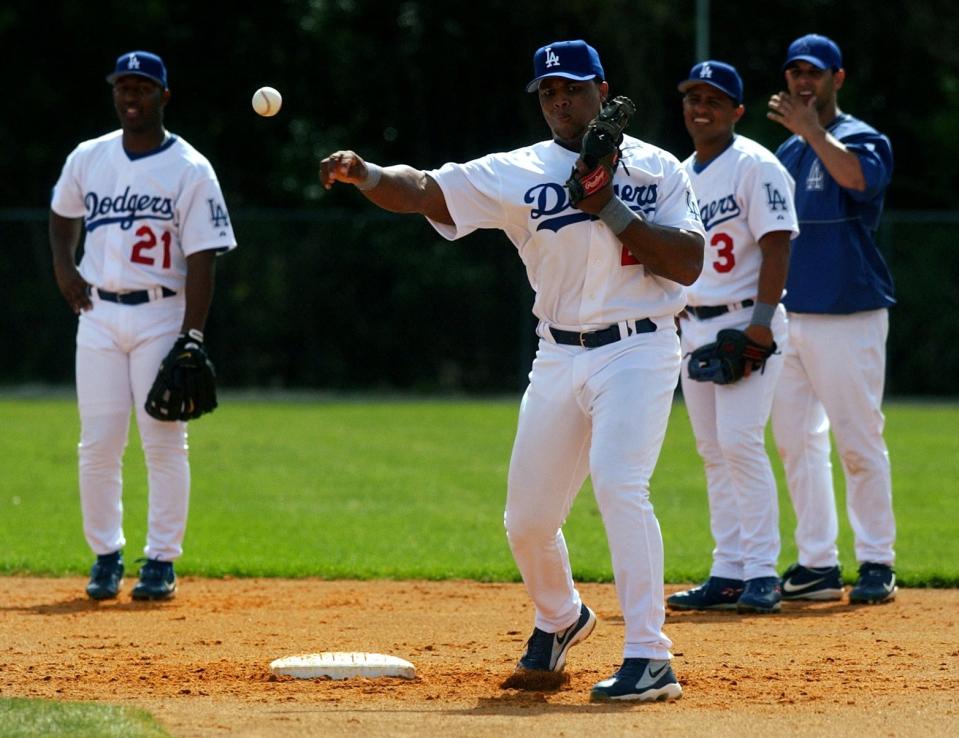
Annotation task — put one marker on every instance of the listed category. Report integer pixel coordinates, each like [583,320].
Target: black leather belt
[137,297]
[705,312]
[602,337]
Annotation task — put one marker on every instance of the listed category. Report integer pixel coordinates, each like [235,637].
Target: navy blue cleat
[646,680]
[762,595]
[876,583]
[106,577]
[808,583]
[716,593]
[547,651]
[157,581]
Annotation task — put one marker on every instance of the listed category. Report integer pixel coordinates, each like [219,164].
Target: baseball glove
[600,149]
[185,385]
[732,356]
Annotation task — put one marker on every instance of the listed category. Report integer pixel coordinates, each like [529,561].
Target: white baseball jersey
[744,193]
[600,411]
[143,214]
[584,277]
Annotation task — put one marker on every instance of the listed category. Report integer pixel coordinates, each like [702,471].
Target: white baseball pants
[119,349]
[729,423]
[602,411]
[833,375]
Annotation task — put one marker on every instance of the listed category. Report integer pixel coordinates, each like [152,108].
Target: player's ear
[838,78]
[603,90]
[738,113]
[165,98]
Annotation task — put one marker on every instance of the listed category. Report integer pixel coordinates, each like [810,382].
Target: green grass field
[31,718]
[369,488]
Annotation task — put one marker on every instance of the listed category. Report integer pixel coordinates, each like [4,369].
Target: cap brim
[111,78]
[687,84]
[534,85]
[814,60]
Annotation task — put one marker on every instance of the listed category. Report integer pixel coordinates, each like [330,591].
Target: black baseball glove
[185,385]
[600,149]
[732,356]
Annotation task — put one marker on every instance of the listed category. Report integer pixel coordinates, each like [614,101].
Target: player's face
[806,81]
[139,103]
[709,113]
[569,106]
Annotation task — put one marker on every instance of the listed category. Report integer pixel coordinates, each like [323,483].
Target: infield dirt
[200,663]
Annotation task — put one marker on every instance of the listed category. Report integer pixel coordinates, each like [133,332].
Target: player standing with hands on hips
[746,203]
[837,297]
[608,275]
[154,220]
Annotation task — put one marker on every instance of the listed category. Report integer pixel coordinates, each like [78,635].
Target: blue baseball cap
[141,64]
[818,50]
[720,75]
[570,59]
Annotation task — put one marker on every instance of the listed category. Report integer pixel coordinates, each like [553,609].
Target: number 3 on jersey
[724,253]
[148,240]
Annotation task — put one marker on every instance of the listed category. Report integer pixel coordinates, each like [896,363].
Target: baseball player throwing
[154,219]
[837,297]
[608,278]
[746,203]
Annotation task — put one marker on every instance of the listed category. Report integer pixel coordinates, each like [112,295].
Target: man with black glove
[154,218]
[607,256]
[730,328]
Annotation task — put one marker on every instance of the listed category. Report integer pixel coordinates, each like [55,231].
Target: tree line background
[326,291]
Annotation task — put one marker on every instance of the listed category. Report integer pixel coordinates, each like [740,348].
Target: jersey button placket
[594,281]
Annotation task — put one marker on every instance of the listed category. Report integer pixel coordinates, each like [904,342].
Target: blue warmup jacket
[834,265]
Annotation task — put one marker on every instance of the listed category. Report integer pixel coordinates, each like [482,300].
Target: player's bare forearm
[402,189]
[200,271]
[774,268]
[399,189]
[671,253]
[772,279]
[842,164]
[64,239]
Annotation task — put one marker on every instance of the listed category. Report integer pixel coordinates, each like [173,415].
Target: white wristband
[617,215]
[373,174]
[763,314]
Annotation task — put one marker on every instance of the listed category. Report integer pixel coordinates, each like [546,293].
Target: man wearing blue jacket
[837,296]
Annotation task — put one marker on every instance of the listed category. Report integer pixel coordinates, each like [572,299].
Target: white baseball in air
[267,101]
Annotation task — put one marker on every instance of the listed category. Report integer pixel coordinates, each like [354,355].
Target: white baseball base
[342,665]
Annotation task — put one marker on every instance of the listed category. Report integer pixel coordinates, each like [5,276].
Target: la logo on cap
[133,62]
[706,71]
[551,59]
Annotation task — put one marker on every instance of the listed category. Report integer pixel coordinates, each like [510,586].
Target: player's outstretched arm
[64,239]
[399,189]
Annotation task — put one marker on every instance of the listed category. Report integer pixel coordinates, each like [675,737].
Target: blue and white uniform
[599,411]
[143,215]
[744,193]
[837,297]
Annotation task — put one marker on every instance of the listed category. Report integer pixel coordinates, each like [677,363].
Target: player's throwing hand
[343,166]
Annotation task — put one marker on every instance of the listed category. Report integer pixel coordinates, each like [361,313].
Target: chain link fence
[340,300]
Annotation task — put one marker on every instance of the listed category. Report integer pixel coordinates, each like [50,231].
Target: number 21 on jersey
[143,249]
